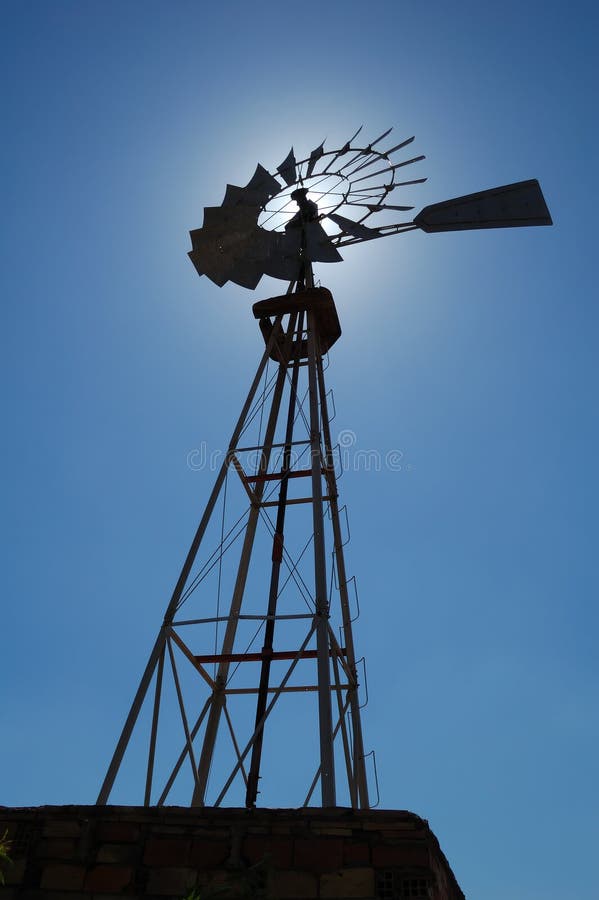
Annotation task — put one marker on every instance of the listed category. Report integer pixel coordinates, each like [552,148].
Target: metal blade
[314,157]
[414,181]
[287,169]
[283,260]
[223,219]
[241,196]
[226,254]
[508,206]
[218,276]
[264,184]
[377,207]
[386,153]
[194,258]
[399,146]
[373,189]
[345,149]
[400,165]
[246,274]
[318,244]
[346,146]
[379,139]
[354,228]
[372,161]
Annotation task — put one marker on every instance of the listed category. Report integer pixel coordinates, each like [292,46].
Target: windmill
[279,609]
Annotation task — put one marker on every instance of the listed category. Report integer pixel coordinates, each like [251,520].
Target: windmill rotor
[249,235]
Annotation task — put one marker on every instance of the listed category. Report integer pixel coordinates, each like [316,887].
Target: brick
[62,877]
[108,879]
[291,885]
[403,834]
[356,853]
[116,853]
[384,825]
[348,883]
[62,828]
[164,830]
[174,881]
[212,834]
[117,832]
[318,854]
[401,854]
[166,851]
[209,854]
[333,830]
[56,848]
[97,896]
[277,851]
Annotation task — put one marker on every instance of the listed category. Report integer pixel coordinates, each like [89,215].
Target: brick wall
[99,853]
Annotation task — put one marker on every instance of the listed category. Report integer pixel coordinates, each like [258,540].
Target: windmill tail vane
[257,639]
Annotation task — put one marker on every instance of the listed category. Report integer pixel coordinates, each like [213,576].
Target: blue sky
[471,353]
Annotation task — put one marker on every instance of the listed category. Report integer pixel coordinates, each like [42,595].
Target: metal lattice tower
[265,579]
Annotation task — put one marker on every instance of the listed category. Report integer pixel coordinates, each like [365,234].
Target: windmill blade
[287,169]
[319,247]
[224,219]
[399,146]
[508,206]
[388,169]
[314,157]
[377,157]
[380,207]
[405,183]
[354,228]
[345,149]
[246,274]
[218,274]
[241,196]
[283,260]
[372,161]
[264,184]
[374,189]
[366,152]
[347,145]
[193,255]
[379,138]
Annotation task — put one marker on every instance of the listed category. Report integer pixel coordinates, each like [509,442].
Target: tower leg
[359,769]
[159,646]
[218,697]
[325,719]
[273,593]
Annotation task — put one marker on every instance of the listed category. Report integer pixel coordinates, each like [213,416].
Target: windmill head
[305,201]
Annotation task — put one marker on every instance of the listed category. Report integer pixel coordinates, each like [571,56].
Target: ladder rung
[287,690]
[258,657]
[291,502]
[273,476]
